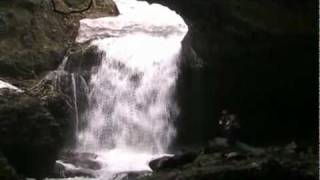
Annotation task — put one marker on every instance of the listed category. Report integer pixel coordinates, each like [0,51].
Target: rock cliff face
[35,124]
[259,61]
[35,35]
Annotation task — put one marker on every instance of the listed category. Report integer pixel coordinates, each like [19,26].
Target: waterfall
[131,97]
[75,102]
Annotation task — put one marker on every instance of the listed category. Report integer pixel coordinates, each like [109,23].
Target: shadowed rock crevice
[68,7]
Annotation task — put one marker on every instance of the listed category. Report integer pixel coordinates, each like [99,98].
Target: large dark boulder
[81,159]
[32,131]
[60,171]
[259,61]
[176,161]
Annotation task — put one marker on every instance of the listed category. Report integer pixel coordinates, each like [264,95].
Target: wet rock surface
[173,162]
[240,161]
[60,171]
[72,79]
[76,164]
[84,60]
[132,175]
[82,160]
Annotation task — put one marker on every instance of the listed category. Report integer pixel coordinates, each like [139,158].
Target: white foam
[9,86]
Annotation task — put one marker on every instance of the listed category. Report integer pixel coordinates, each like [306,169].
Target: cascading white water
[131,94]
[75,102]
[132,108]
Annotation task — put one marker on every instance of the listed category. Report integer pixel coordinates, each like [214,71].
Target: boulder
[81,160]
[75,164]
[61,171]
[79,173]
[159,163]
[32,132]
[173,162]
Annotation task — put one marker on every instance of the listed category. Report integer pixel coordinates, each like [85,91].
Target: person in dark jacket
[230,126]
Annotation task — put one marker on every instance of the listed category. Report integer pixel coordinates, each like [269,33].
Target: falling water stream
[132,105]
[75,102]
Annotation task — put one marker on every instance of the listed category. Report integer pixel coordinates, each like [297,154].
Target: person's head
[224,112]
[232,117]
